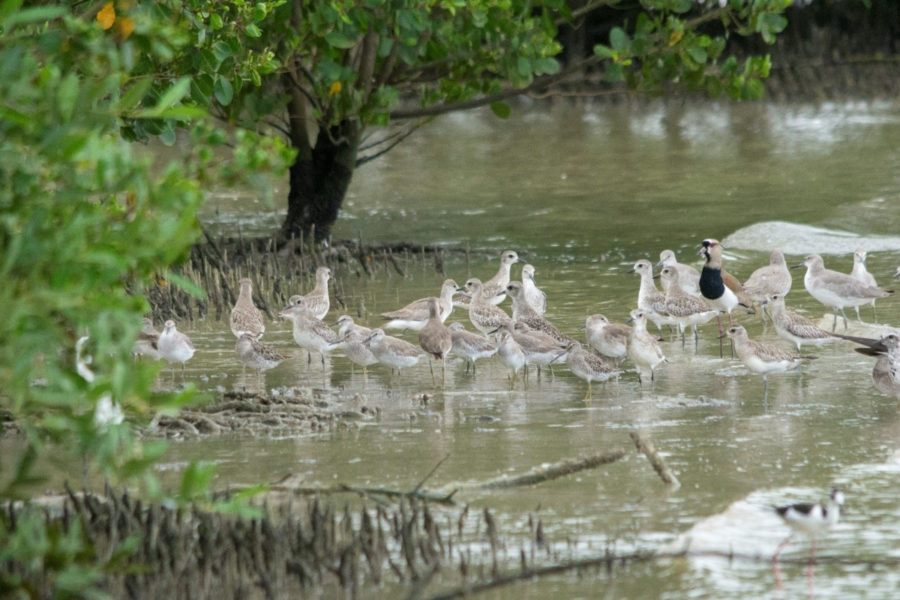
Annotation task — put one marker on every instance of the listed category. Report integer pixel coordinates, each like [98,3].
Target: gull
[256,355]
[435,338]
[837,290]
[470,345]
[351,341]
[774,278]
[685,309]
[886,372]
[714,287]
[174,346]
[688,276]
[650,300]
[415,314]
[535,296]
[794,327]
[309,332]
[147,340]
[391,351]
[643,349]
[317,301]
[609,339]
[588,366]
[760,357]
[245,317]
[484,316]
[811,519]
[495,287]
[861,274]
[523,312]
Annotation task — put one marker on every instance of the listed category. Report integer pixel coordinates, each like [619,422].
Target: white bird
[391,351]
[811,519]
[352,341]
[688,276]
[106,412]
[837,290]
[643,349]
[534,295]
[609,339]
[470,345]
[309,332]
[511,355]
[175,346]
[860,273]
[415,314]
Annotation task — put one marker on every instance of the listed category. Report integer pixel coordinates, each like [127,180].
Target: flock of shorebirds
[689,299]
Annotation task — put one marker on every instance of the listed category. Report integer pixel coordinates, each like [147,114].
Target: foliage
[86,221]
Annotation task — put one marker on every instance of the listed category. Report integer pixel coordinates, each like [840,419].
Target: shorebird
[106,412]
[534,295]
[309,331]
[837,290]
[351,338]
[470,345]
[588,366]
[256,355]
[174,346]
[317,301]
[495,287]
[484,316]
[811,519]
[860,273]
[245,317]
[794,327]
[511,355]
[523,312]
[415,314]
[609,339]
[146,342]
[435,337]
[688,276]
[391,351]
[763,358]
[643,349]
[650,300]
[714,287]
[539,348]
[897,274]
[886,372]
[774,278]
[687,310]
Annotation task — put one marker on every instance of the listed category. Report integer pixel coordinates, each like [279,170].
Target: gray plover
[650,300]
[688,276]
[484,316]
[523,312]
[588,366]
[351,340]
[774,278]
[609,339]
[174,346]
[415,314]
[687,310]
[317,301]
[435,337]
[309,332]
[860,273]
[391,351]
[470,345]
[643,349]
[837,290]
[540,348]
[762,358]
[533,294]
[794,327]
[511,355]
[245,317]
[495,287]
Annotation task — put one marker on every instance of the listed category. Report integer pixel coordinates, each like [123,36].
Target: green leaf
[222,51]
[253,31]
[223,91]
[603,51]
[38,14]
[546,66]
[337,39]
[132,98]
[67,95]
[614,72]
[618,39]
[501,109]
[215,22]
[697,54]
[170,97]
[523,66]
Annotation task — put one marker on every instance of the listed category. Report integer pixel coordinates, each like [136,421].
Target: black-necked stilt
[811,519]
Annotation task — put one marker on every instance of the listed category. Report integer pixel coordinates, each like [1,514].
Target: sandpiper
[588,366]
[643,349]
[175,346]
[470,345]
[256,355]
[534,295]
[860,273]
[484,316]
[540,349]
[760,357]
[245,317]
[795,327]
[687,310]
[317,301]
[351,341]
[309,331]
[147,340]
[688,276]
[886,372]
[495,287]
[650,300]
[713,285]
[811,519]
[415,314]
[837,290]
[774,278]
[609,339]
[391,351]
[523,312]
[435,337]
[511,355]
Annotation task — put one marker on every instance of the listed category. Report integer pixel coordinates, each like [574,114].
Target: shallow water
[583,192]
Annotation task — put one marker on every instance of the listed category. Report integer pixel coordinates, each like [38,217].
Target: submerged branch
[646,447]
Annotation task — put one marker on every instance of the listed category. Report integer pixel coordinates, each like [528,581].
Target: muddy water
[581,193]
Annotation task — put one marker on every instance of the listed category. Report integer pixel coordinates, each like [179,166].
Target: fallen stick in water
[646,447]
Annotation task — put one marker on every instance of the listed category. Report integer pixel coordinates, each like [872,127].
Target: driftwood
[646,447]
